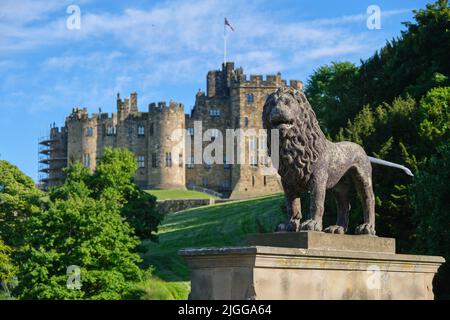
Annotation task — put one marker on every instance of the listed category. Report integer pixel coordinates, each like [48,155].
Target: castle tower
[235,101]
[166,146]
[82,138]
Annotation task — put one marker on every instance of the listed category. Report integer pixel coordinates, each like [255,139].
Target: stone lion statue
[308,162]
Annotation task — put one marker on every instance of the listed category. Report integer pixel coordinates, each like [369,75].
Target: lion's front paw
[365,228]
[290,226]
[335,229]
[311,225]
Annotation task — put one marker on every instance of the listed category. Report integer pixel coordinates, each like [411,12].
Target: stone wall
[175,205]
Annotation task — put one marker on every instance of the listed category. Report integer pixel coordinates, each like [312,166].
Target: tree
[19,200]
[406,65]
[431,199]
[334,95]
[86,224]
[7,269]
[113,177]
[78,229]
[434,117]
[389,131]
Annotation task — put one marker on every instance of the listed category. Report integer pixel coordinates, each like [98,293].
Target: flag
[228,24]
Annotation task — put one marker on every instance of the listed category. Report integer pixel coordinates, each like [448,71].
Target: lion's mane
[301,145]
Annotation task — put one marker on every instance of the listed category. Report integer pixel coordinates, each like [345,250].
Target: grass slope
[225,224]
[179,194]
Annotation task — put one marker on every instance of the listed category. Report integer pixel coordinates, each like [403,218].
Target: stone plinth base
[366,268]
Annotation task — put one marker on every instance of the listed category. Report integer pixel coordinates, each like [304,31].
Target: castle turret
[219,81]
[82,138]
[126,106]
[166,146]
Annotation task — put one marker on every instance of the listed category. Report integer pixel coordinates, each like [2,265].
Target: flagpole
[224,44]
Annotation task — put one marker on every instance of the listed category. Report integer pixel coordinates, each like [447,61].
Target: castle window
[86,160]
[205,181]
[253,181]
[110,131]
[141,131]
[141,162]
[89,131]
[214,112]
[249,98]
[152,129]
[154,160]
[190,162]
[168,159]
[265,181]
[180,160]
[246,122]
[190,131]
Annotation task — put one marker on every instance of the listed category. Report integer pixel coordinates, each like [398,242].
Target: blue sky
[162,50]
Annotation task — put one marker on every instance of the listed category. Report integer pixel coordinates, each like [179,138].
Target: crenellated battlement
[162,106]
[78,114]
[220,81]
[257,80]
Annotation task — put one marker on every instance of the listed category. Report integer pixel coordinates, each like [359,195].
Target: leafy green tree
[333,94]
[388,131]
[434,116]
[431,199]
[7,269]
[81,230]
[113,177]
[407,64]
[19,200]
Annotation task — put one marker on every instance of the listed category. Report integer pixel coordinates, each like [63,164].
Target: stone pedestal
[310,265]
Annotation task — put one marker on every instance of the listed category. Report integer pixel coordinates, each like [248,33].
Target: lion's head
[301,140]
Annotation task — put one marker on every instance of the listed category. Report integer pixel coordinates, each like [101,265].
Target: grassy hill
[179,194]
[225,224]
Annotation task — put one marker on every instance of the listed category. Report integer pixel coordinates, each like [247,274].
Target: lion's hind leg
[340,193]
[362,177]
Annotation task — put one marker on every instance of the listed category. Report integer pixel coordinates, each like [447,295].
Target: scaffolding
[51,165]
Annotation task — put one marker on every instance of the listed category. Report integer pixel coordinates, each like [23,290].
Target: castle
[232,101]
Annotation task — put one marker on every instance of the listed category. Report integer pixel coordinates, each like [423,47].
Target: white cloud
[174,42]
[96,59]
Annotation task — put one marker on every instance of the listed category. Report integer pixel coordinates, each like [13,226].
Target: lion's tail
[391,164]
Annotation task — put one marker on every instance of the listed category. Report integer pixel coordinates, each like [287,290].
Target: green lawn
[225,224]
[179,194]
